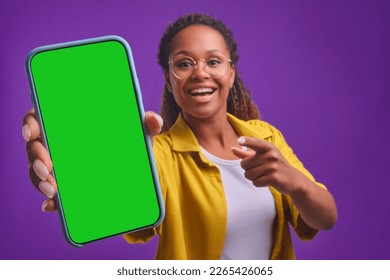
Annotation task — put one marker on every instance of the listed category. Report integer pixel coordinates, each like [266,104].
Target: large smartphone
[88,102]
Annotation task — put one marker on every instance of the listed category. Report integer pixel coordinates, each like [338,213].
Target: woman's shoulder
[262,129]
[255,127]
[162,140]
[261,124]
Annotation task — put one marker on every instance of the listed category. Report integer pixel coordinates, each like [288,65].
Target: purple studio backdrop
[318,70]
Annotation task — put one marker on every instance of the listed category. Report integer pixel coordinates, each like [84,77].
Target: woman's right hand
[40,164]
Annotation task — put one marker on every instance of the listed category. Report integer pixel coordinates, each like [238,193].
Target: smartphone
[88,102]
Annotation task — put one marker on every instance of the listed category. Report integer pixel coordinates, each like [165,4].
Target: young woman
[230,183]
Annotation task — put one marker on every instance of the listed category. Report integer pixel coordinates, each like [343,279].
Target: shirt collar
[184,140]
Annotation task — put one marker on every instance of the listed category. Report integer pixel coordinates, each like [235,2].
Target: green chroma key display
[88,102]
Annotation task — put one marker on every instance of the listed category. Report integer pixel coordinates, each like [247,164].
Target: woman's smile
[202,91]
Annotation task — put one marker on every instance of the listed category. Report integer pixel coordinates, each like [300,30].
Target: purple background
[318,70]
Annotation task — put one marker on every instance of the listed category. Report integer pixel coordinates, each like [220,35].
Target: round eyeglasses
[183,66]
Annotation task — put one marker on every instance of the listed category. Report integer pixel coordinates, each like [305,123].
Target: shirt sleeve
[141,236]
[303,231]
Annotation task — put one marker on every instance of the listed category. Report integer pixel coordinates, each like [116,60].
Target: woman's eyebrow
[185,52]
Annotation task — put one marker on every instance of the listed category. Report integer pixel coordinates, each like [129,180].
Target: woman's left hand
[264,165]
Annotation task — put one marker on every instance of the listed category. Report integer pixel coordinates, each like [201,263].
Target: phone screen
[87,98]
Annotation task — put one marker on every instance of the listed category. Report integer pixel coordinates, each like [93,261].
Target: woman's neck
[216,135]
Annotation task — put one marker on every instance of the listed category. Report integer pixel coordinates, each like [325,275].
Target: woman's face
[200,95]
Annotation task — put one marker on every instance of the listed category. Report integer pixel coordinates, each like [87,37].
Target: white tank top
[250,213]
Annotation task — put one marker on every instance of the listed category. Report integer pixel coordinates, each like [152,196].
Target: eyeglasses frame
[196,65]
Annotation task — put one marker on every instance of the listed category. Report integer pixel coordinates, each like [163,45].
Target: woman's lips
[201,91]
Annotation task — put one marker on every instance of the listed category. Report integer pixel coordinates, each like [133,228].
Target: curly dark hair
[239,103]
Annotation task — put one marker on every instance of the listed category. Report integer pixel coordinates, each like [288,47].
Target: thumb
[153,123]
[242,153]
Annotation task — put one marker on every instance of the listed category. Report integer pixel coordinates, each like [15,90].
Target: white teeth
[201,90]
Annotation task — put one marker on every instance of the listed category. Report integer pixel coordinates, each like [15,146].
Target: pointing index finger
[255,144]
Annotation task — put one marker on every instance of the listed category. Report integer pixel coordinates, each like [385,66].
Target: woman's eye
[213,62]
[184,64]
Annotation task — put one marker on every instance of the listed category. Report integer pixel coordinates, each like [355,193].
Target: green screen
[94,132]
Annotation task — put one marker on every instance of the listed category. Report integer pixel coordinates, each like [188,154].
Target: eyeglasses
[183,66]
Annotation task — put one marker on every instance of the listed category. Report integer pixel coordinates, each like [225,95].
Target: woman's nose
[200,70]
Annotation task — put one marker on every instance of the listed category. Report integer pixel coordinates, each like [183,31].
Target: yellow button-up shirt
[194,226]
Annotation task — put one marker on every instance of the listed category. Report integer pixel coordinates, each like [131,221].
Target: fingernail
[159,119]
[241,140]
[40,169]
[44,204]
[46,188]
[26,132]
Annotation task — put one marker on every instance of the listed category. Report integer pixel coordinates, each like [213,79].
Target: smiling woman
[231,185]
[222,201]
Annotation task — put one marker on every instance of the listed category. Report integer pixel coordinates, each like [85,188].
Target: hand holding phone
[89,106]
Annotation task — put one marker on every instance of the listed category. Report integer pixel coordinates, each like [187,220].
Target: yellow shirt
[196,213]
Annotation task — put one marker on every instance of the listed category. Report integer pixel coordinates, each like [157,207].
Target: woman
[230,182]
